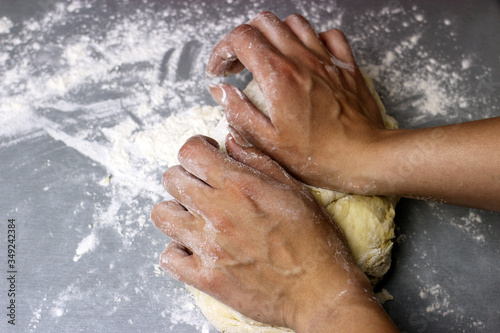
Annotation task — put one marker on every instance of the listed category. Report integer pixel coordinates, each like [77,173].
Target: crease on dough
[366,221]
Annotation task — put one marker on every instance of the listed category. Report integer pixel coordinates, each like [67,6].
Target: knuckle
[303,75]
[297,17]
[266,19]
[155,214]
[287,69]
[170,174]
[339,34]
[313,62]
[161,213]
[242,29]
[167,264]
[265,14]
[242,188]
[189,148]
[194,146]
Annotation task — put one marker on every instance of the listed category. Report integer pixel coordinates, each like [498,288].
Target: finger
[343,58]
[202,157]
[179,262]
[187,189]
[367,95]
[197,156]
[303,30]
[300,47]
[276,32]
[174,220]
[240,150]
[234,49]
[242,114]
[337,44]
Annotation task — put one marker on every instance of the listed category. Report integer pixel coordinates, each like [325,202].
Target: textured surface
[81,83]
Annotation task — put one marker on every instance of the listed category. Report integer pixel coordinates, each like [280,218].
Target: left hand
[250,235]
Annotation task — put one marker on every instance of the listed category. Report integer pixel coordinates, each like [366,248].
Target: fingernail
[211,69]
[220,68]
[209,74]
[218,93]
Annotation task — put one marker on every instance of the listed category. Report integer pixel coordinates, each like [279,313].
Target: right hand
[323,119]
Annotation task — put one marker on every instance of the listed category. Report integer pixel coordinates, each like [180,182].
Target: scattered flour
[86,245]
[5,25]
[471,226]
[410,76]
[70,293]
[438,298]
[442,291]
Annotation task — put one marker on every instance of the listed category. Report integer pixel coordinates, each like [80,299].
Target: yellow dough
[366,221]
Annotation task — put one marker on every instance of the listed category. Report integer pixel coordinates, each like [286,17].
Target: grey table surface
[86,251]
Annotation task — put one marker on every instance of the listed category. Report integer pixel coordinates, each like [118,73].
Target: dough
[227,320]
[366,221]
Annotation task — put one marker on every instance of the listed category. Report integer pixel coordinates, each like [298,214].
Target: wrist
[347,306]
[370,165]
[382,168]
[398,160]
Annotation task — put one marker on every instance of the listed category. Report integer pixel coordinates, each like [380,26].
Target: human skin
[250,235]
[325,127]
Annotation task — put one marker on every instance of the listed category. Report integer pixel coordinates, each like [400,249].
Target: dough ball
[366,221]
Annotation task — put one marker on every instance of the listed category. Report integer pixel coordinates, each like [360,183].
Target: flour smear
[123,89]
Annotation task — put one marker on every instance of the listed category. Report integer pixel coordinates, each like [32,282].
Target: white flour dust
[5,25]
[87,244]
[122,90]
[442,297]
[430,83]
[470,225]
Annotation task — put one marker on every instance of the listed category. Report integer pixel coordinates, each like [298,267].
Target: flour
[123,90]
[86,245]
[175,130]
[433,85]
[5,25]
[471,224]
[439,299]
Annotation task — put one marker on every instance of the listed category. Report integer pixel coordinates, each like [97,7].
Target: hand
[326,129]
[250,235]
[324,122]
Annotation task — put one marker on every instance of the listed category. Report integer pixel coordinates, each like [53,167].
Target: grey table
[85,250]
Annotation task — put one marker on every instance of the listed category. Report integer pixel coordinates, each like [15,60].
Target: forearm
[458,164]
